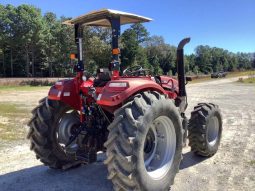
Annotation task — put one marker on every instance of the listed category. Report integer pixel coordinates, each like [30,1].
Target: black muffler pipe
[181,67]
[78,40]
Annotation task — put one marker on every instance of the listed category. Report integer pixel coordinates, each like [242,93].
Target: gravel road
[232,168]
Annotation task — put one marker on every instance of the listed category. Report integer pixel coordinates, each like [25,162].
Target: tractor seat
[103,76]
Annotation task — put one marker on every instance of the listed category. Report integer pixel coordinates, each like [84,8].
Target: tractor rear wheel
[205,129]
[144,145]
[50,129]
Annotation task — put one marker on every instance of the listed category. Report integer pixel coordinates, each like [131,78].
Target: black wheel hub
[149,142]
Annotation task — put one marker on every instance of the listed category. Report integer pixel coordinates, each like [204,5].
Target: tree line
[37,45]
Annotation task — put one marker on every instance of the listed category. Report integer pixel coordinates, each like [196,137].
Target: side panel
[65,91]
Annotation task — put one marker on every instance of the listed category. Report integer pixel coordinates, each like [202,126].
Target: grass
[244,73]
[252,162]
[249,80]
[201,80]
[229,75]
[6,109]
[28,81]
[12,110]
[23,88]
[12,128]
[13,116]
[12,132]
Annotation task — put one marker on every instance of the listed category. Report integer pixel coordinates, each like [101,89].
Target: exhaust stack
[181,67]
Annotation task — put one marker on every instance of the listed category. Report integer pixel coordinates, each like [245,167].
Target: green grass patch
[12,110]
[252,162]
[244,73]
[23,88]
[249,80]
[14,118]
[7,109]
[229,75]
[12,132]
[202,80]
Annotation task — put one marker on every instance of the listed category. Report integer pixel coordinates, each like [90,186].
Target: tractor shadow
[190,159]
[91,177]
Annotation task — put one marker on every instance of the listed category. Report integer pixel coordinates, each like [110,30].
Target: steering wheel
[89,74]
[135,71]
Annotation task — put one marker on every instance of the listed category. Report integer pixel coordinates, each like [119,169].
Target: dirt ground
[232,168]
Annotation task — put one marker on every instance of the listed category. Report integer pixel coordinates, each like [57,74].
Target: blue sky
[228,24]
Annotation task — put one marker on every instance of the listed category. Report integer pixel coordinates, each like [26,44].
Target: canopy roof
[99,18]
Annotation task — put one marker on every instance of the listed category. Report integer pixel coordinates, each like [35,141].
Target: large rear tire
[144,146]
[43,134]
[205,129]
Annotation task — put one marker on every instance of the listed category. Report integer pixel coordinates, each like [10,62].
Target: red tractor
[136,118]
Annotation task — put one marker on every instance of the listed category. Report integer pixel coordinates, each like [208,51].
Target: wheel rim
[159,147]
[67,124]
[213,130]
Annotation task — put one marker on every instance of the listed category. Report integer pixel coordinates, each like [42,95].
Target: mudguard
[65,91]
[112,96]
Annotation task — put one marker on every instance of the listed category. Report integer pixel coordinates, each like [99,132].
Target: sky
[228,24]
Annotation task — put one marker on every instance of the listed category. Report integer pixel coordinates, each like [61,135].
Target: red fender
[112,97]
[65,91]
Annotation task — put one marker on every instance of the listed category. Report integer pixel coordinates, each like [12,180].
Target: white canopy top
[99,18]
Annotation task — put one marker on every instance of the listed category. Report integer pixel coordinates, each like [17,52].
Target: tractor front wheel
[144,144]
[205,129]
